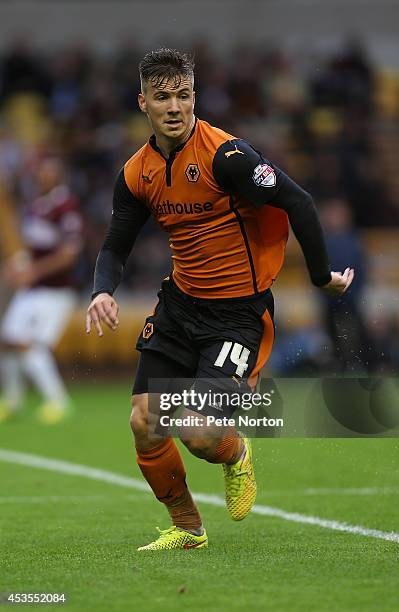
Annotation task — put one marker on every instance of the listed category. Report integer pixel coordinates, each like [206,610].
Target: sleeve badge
[264,176]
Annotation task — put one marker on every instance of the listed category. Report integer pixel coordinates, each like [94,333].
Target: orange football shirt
[222,246]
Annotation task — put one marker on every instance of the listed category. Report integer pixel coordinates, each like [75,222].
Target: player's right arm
[242,170]
[128,217]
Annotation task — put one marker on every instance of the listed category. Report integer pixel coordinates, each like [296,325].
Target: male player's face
[169,108]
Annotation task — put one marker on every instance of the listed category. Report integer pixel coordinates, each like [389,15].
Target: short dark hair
[164,64]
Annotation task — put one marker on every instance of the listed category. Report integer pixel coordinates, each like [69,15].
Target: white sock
[40,366]
[12,380]
[197,532]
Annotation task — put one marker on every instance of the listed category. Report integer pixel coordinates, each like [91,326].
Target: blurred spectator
[346,81]
[22,71]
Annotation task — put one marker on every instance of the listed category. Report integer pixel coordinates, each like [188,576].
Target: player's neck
[167,145]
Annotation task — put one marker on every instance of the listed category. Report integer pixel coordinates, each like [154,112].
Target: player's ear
[142,103]
[193,99]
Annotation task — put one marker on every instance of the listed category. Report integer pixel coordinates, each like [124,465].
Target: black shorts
[224,340]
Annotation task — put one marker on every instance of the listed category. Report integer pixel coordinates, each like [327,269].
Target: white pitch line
[64,467]
[74,469]
[46,499]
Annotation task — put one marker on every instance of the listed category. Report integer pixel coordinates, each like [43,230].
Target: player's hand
[339,283]
[103,309]
[18,271]
[24,279]
[19,278]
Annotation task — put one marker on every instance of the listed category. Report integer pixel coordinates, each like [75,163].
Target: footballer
[45,295]
[227,211]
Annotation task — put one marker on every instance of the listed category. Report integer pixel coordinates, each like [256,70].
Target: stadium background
[318,92]
[315,85]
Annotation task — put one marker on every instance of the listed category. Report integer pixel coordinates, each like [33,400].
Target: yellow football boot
[174,537]
[6,412]
[240,484]
[51,413]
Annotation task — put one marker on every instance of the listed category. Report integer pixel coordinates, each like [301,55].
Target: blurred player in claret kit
[226,209]
[51,229]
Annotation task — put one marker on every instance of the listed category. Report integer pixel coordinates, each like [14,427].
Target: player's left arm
[242,170]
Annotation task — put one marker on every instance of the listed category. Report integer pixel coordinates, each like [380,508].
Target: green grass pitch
[62,533]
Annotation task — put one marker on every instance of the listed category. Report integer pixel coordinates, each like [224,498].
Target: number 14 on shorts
[238,355]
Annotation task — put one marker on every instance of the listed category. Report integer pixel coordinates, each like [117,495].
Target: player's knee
[139,415]
[200,447]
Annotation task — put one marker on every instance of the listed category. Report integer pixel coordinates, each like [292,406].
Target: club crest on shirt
[148,331]
[192,173]
[264,176]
